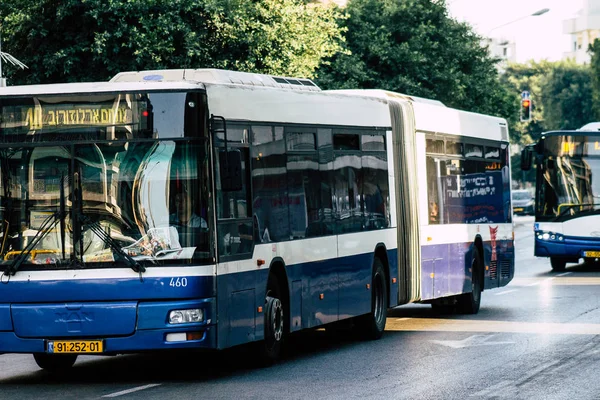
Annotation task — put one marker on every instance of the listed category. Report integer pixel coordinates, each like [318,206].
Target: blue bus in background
[205,209]
[567,203]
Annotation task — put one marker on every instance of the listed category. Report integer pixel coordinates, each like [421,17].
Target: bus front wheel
[274,324]
[55,363]
[557,264]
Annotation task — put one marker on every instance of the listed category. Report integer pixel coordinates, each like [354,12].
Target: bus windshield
[103,188]
[570,177]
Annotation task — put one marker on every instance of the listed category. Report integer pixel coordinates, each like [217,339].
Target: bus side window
[433,194]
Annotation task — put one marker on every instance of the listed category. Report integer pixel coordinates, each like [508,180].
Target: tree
[567,96]
[561,94]
[89,40]
[414,47]
[595,73]
[527,77]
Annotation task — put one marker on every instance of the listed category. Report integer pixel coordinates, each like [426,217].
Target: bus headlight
[186,316]
[551,236]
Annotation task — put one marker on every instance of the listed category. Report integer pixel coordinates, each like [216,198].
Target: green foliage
[414,47]
[595,73]
[88,40]
[567,96]
[526,77]
[561,94]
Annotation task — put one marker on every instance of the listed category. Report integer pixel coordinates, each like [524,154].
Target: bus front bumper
[550,244]
[151,330]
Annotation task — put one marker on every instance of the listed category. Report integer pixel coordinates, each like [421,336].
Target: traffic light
[526,110]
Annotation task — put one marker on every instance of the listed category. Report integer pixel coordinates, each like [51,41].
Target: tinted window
[472,150]
[345,142]
[372,142]
[270,191]
[301,141]
[434,146]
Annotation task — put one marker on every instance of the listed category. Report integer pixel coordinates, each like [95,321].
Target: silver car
[523,202]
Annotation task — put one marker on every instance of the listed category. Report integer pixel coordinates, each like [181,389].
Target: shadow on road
[189,366]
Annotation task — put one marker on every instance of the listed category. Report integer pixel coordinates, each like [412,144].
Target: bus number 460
[178,282]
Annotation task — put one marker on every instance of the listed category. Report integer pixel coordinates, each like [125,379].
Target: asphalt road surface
[537,338]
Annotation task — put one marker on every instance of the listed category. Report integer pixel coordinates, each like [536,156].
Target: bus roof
[571,132]
[592,126]
[94,87]
[433,116]
[217,76]
[289,99]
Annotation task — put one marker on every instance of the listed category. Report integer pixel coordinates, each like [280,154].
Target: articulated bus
[567,204]
[205,209]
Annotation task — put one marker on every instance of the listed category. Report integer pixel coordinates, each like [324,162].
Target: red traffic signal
[525,110]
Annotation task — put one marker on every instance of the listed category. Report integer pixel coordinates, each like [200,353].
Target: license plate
[75,346]
[517,209]
[591,254]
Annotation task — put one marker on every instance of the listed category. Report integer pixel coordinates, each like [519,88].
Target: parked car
[523,202]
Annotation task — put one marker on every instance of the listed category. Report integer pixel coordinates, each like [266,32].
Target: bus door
[239,287]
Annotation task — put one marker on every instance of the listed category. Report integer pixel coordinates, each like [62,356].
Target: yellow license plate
[517,209]
[75,346]
[591,254]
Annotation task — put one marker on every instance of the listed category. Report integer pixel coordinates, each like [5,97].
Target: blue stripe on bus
[154,288]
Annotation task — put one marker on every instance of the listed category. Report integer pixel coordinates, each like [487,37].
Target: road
[537,338]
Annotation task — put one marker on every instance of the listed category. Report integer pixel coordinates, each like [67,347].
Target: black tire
[469,303]
[271,347]
[55,363]
[372,325]
[558,264]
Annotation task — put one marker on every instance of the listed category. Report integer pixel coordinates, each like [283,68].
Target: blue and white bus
[204,209]
[567,211]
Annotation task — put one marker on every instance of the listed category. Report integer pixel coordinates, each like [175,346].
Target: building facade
[584,28]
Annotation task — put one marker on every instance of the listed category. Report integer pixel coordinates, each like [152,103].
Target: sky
[536,37]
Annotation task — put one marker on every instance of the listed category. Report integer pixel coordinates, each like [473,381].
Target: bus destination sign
[39,117]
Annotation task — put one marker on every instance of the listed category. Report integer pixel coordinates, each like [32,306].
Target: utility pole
[9,59]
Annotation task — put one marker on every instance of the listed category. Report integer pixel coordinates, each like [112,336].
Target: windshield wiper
[97,229]
[47,226]
[112,243]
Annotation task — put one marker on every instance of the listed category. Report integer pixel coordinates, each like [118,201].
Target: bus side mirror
[230,170]
[526,156]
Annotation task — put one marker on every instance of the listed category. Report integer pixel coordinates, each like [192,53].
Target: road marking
[135,389]
[471,341]
[505,292]
[558,280]
[577,281]
[541,282]
[458,325]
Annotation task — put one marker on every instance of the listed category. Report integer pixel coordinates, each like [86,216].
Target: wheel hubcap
[277,320]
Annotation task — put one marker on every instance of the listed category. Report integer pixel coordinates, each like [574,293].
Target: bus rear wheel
[55,363]
[469,303]
[372,325]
